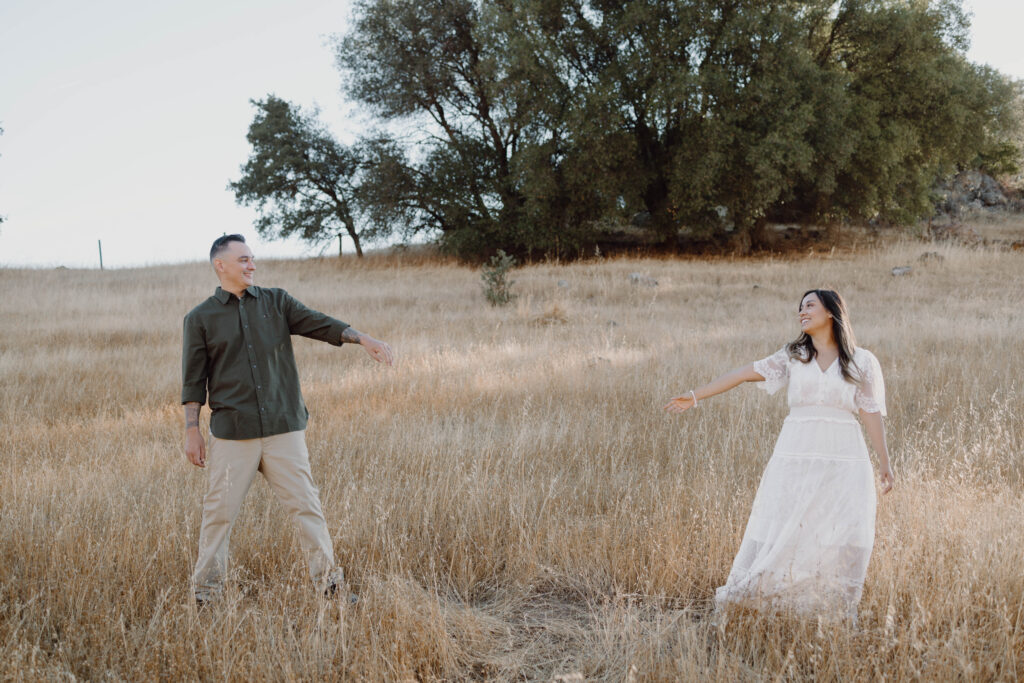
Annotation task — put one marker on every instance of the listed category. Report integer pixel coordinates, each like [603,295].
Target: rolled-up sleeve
[306,322]
[193,363]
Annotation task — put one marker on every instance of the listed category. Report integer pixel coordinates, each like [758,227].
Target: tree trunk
[655,198]
[350,226]
[651,155]
[760,236]
[751,235]
[339,245]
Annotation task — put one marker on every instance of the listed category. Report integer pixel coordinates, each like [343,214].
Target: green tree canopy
[442,67]
[536,121]
[301,180]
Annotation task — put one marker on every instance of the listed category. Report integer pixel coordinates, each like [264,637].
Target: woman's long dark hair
[802,348]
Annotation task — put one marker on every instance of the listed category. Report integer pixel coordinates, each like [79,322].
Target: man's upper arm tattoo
[350,335]
[191,415]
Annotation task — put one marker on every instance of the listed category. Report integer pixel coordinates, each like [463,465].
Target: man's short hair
[221,243]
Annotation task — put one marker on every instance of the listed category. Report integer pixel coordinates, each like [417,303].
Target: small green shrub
[497,286]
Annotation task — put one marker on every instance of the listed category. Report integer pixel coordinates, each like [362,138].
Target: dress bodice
[808,385]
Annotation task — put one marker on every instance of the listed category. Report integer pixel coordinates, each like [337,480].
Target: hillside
[509,500]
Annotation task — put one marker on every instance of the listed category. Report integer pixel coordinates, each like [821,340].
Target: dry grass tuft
[509,501]
[554,313]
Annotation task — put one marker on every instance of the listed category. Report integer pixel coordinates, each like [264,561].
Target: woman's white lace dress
[808,541]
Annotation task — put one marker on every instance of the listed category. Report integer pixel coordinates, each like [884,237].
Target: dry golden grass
[509,501]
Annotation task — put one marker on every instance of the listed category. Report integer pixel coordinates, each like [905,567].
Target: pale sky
[124,120]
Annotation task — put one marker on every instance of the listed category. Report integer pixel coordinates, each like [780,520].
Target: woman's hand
[680,404]
[887,477]
[733,378]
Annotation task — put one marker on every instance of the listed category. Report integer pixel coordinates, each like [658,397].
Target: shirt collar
[223,296]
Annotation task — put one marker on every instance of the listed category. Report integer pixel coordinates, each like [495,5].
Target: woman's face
[814,317]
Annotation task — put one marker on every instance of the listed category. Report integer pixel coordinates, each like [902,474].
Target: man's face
[235,266]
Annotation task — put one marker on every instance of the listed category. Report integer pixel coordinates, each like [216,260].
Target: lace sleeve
[870,394]
[774,369]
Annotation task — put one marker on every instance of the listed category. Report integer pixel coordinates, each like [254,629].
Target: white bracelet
[694,397]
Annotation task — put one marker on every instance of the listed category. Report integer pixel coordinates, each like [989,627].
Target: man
[237,350]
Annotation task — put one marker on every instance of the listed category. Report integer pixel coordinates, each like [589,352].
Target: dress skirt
[809,537]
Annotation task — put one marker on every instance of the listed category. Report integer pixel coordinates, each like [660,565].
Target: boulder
[970,190]
[641,219]
[642,280]
[990,193]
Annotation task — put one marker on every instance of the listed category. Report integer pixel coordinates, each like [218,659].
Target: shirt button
[254,367]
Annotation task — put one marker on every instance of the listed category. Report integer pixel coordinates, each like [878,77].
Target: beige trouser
[284,462]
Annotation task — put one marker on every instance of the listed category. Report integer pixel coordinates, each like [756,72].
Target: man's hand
[377,349]
[195,445]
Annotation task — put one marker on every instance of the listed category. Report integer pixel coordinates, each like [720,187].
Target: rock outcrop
[974,190]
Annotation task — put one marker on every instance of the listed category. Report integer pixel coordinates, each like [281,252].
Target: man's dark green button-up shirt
[239,351]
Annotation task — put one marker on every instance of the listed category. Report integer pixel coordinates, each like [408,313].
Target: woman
[808,541]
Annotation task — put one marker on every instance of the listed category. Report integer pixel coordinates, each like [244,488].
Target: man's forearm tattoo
[191,415]
[351,335]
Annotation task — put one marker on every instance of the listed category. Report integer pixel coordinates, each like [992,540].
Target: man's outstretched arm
[307,322]
[377,349]
[195,445]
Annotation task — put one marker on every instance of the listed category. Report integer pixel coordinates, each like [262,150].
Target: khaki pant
[284,462]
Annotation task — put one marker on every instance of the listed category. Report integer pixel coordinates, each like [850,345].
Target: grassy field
[509,501]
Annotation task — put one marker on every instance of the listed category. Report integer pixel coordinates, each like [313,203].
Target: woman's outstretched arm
[731,379]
